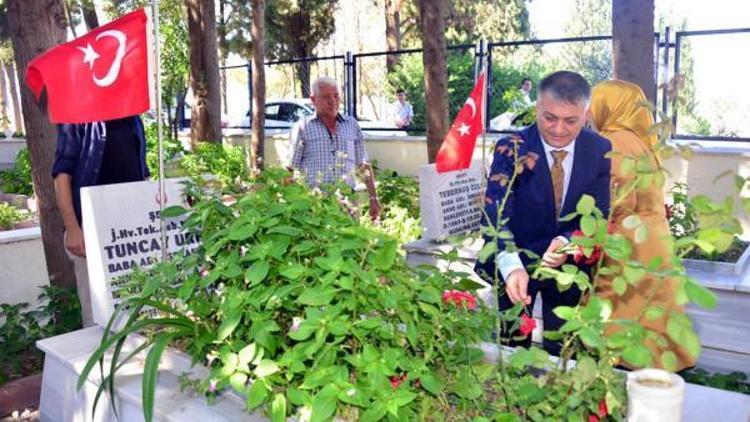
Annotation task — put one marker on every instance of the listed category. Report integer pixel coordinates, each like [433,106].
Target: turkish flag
[458,145]
[102,75]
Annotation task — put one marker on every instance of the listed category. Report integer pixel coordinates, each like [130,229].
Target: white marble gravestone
[450,202]
[121,229]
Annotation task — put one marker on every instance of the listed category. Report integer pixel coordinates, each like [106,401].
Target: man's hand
[374,208]
[74,242]
[517,286]
[552,258]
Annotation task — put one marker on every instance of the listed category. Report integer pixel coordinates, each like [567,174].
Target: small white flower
[296,321]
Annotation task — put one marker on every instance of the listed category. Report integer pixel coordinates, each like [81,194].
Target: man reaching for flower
[561,162]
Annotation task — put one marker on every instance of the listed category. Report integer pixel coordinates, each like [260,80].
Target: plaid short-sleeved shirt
[325,157]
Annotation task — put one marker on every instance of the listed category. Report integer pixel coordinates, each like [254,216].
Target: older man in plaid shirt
[327,147]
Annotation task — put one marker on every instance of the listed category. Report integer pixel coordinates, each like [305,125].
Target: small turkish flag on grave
[458,145]
[102,75]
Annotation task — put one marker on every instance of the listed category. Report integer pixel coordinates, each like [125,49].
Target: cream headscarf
[616,105]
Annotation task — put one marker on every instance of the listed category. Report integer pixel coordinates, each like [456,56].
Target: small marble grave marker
[450,202]
[121,229]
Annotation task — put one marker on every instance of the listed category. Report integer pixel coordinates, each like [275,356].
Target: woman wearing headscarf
[618,112]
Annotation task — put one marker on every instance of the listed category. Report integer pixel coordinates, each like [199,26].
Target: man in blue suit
[569,162]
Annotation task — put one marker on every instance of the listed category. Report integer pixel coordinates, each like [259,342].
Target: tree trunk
[432,18]
[258,34]
[4,120]
[633,44]
[89,14]
[205,120]
[35,26]
[392,32]
[14,98]
[303,71]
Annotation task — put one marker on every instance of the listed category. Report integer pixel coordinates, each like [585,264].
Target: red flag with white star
[458,145]
[102,75]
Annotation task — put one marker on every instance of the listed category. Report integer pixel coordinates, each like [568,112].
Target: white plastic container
[655,395]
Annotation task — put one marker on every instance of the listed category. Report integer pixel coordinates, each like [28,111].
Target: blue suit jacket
[530,208]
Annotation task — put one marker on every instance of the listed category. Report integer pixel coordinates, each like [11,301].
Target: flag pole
[157,96]
[485,107]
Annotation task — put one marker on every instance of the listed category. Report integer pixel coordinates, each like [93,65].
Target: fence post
[665,84]
[675,78]
[250,92]
[478,59]
[349,81]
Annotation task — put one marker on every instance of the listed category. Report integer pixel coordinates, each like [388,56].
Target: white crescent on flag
[114,68]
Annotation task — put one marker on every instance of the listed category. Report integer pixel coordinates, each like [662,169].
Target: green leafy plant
[294,305]
[18,179]
[59,313]
[10,216]
[681,213]
[733,381]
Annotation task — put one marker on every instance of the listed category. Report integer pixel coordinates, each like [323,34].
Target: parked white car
[282,114]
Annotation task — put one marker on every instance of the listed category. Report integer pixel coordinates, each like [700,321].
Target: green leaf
[297,397]
[591,338]
[257,272]
[293,272]
[286,230]
[633,274]
[266,367]
[487,251]
[631,222]
[237,381]
[700,295]
[564,312]
[256,395]
[654,312]
[374,413]
[249,354]
[385,256]
[619,286]
[585,205]
[229,324]
[278,408]
[324,404]
[318,296]
[431,382]
[242,232]
[588,225]
[637,355]
[669,360]
[151,373]
[173,211]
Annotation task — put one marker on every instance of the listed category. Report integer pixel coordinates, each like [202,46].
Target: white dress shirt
[507,262]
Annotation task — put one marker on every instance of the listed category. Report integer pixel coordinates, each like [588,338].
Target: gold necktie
[558,177]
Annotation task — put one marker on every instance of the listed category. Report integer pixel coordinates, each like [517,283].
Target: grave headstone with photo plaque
[450,202]
[122,231]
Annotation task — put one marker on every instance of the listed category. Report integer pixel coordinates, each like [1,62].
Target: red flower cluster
[668,211]
[397,380]
[527,325]
[601,414]
[460,299]
[579,256]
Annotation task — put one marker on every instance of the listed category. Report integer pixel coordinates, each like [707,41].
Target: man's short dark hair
[566,86]
[523,81]
[400,91]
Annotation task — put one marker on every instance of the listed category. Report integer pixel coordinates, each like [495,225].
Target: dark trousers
[551,298]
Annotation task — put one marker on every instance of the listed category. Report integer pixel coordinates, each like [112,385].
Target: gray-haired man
[328,147]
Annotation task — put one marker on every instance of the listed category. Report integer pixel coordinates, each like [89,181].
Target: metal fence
[704,92]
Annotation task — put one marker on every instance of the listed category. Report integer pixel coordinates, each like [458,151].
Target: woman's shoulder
[625,141]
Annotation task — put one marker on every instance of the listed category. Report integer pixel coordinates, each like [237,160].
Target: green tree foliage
[467,21]
[593,59]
